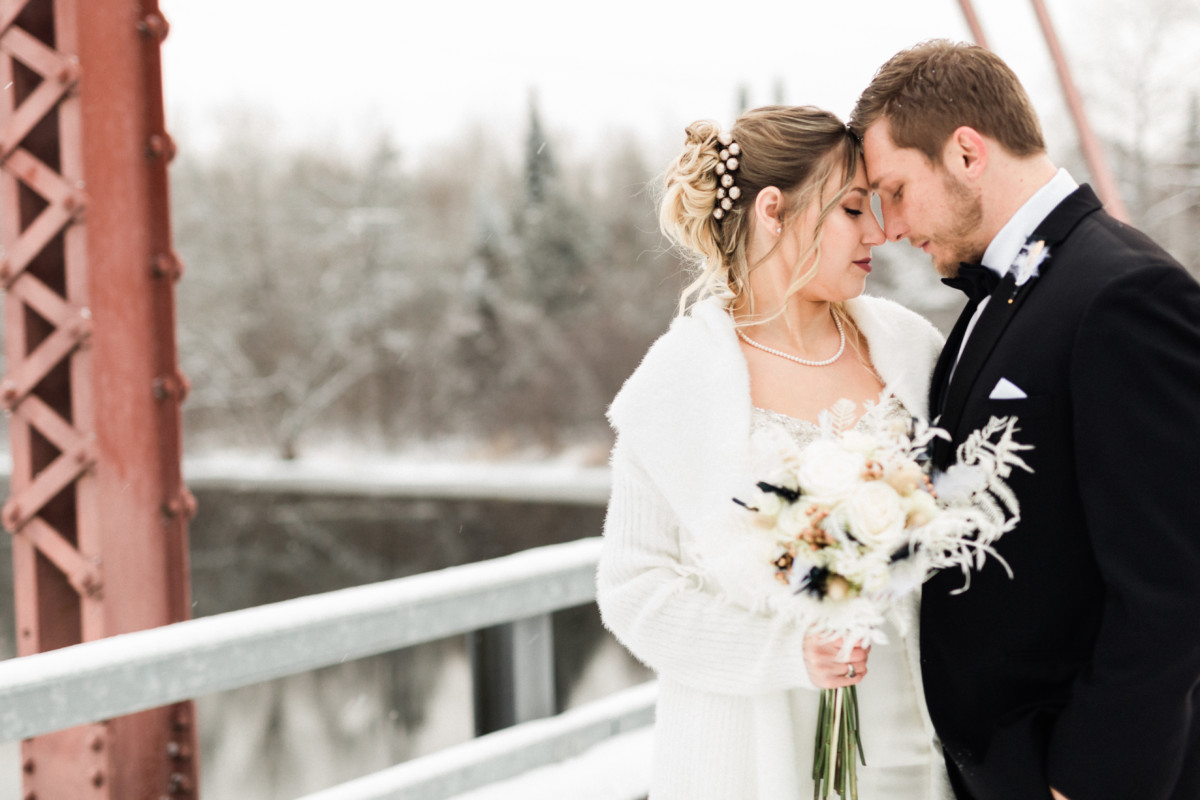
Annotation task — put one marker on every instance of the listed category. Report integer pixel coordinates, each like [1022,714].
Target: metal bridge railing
[132,672]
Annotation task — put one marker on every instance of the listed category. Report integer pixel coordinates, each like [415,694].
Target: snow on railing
[132,672]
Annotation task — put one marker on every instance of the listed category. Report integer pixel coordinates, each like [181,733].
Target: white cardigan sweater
[726,725]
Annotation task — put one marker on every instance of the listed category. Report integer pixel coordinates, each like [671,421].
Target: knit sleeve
[665,613]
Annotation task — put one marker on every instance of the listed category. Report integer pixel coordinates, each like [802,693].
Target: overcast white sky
[422,70]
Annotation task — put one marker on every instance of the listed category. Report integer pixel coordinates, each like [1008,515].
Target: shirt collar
[1005,248]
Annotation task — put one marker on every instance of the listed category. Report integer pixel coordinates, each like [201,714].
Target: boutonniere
[1028,268]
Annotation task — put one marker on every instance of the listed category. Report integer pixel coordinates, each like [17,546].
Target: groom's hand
[1057,794]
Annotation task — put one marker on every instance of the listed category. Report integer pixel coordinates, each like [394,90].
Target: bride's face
[849,233]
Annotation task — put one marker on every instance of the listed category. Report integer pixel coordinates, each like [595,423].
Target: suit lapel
[1001,309]
[941,370]
[1005,301]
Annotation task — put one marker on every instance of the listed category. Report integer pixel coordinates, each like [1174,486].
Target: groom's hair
[930,90]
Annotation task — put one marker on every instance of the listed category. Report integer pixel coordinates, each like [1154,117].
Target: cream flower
[769,504]
[858,442]
[793,519]
[905,478]
[875,515]
[828,471]
[920,508]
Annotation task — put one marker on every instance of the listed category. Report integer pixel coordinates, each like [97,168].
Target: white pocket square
[1006,390]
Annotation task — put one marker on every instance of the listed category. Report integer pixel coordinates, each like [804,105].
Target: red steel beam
[968,9]
[1093,153]
[98,510]
[1106,186]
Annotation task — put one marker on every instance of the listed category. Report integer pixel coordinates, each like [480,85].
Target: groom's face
[923,202]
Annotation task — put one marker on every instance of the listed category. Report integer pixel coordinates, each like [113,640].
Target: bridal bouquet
[858,524]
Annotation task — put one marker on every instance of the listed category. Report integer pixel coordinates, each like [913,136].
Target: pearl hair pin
[727,192]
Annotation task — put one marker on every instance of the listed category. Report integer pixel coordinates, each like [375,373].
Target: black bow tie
[974,280]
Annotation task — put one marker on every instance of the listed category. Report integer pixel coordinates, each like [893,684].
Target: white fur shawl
[684,414]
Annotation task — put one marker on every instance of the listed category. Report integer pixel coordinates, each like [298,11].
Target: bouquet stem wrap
[838,746]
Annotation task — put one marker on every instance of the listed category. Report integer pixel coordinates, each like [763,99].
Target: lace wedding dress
[901,761]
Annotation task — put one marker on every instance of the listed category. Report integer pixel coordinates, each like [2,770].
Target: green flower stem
[838,745]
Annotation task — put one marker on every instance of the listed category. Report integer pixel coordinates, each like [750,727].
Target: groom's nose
[894,226]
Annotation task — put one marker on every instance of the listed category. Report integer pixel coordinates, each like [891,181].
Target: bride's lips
[864,263]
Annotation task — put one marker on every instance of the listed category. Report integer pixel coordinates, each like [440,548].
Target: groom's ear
[966,153]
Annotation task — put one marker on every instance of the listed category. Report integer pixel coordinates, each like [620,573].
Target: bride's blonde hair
[796,149]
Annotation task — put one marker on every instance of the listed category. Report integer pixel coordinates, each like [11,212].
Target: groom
[1079,676]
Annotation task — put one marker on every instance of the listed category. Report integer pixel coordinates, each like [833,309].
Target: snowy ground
[618,769]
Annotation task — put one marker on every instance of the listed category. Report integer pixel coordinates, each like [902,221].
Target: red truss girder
[98,511]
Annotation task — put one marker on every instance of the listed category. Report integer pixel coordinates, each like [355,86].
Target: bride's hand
[826,669]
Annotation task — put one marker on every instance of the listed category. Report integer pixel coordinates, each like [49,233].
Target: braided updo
[794,148]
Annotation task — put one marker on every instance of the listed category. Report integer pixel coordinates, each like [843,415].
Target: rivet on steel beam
[68,72]
[80,328]
[154,25]
[167,265]
[189,502]
[161,145]
[97,743]
[164,386]
[12,515]
[178,752]
[179,783]
[29,766]
[74,203]
[83,455]
[97,778]
[183,504]
[92,586]
[5,272]
[31,796]
[9,394]
[183,719]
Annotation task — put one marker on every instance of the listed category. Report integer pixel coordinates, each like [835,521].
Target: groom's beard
[959,240]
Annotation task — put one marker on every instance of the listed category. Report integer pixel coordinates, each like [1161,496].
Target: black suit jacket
[1082,671]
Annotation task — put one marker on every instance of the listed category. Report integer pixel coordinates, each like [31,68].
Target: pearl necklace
[797,359]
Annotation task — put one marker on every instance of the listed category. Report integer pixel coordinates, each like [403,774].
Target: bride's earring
[779,229]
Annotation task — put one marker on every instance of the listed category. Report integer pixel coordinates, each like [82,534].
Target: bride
[776,214]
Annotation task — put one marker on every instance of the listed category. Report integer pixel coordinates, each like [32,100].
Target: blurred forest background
[491,297]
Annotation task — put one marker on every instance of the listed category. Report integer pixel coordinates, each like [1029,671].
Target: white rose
[768,504]
[858,442]
[875,576]
[793,519]
[920,508]
[830,472]
[875,515]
